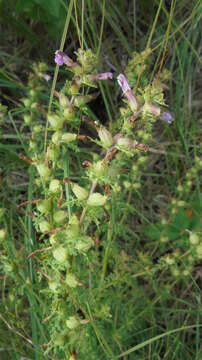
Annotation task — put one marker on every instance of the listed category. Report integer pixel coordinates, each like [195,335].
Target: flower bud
[105,137]
[71,281]
[59,217]
[55,121]
[68,137]
[79,192]
[43,171]
[54,186]
[60,254]
[44,206]
[96,199]
[72,322]
[44,226]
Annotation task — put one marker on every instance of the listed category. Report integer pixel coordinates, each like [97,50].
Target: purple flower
[102,76]
[61,58]
[167,117]
[123,83]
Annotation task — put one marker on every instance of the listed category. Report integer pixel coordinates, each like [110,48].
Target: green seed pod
[74,220]
[32,93]
[126,144]
[54,186]
[59,340]
[33,145]
[193,238]
[60,254]
[3,233]
[72,357]
[105,137]
[180,188]
[199,251]
[79,192]
[68,113]
[72,322]
[27,102]
[55,121]
[99,168]
[27,119]
[71,281]
[44,226]
[136,186]
[2,212]
[53,153]
[53,239]
[68,137]
[74,88]
[175,271]
[84,244]
[64,102]
[153,109]
[44,206]
[142,160]
[34,106]
[169,260]
[164,239]
[43,171]
[127,184]
[186,272]
[96,199]
[37,129]
[56,138]
[146,137]
[59,217]
[53,285]
[181,203]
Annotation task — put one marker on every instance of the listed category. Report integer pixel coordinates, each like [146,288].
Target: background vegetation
[151,299]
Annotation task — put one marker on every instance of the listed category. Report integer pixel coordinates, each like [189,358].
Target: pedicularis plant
[84,176]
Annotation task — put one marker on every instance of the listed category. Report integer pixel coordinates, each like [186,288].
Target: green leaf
[51,6]
[24,5]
